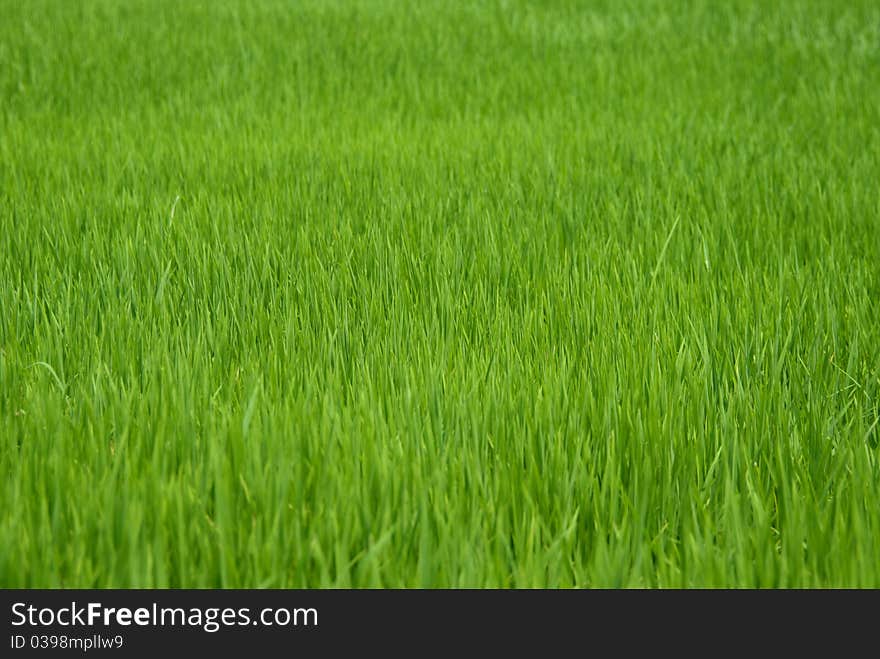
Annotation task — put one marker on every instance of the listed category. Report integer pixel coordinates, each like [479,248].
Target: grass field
[478,294]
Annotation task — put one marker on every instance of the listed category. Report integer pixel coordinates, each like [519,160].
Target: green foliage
[485,294]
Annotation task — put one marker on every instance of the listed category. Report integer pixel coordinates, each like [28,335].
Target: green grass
[502,294]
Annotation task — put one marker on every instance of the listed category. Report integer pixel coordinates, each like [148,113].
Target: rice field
[497,294]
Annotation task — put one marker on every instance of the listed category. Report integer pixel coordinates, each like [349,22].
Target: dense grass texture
[434,294]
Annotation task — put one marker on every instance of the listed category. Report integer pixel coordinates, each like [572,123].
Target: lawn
[439,294]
